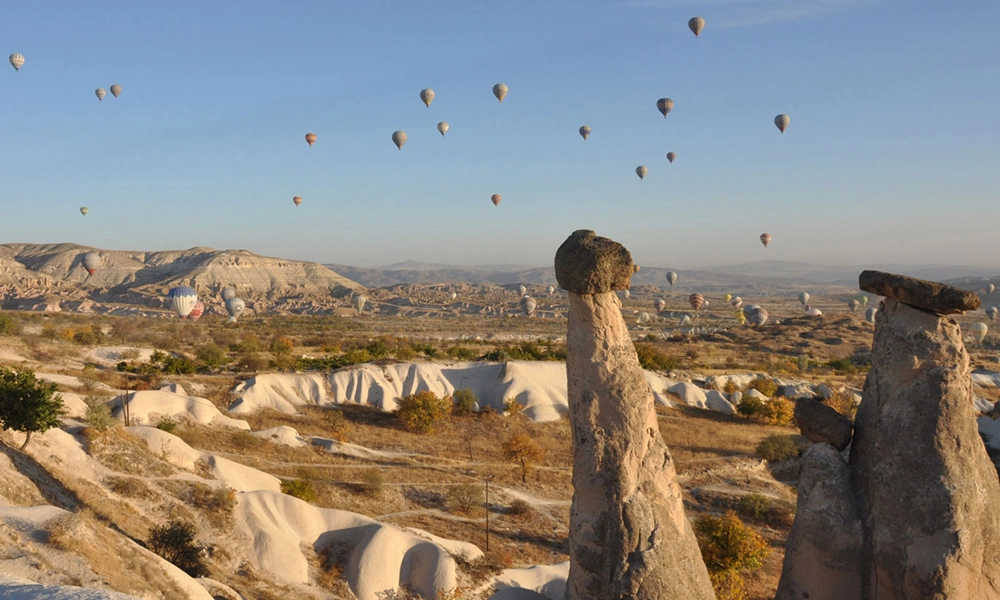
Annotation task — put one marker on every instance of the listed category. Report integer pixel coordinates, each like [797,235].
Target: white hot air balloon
[528,305]
[522,290]
[813,312]
[100,93]
[17,61]
[991,312]
[551,289]
[452,296]
[443,127]
[978,331]
[803,297]
[359,302]
[671,277]
[660,304]
[870,315]
[182,299]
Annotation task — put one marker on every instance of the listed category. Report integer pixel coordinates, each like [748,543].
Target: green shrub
[461,353]
[419,412]
[655,359]
[372,483]
[842,366]
[749,406]
[98,414]
[776,448]
[301,489]
[212,356]
[8,325]
[765,385]
[175,542]
[464,403]
[166,424]
[86,337]
[754,507]
[463,498]
[281,345]
[729,548]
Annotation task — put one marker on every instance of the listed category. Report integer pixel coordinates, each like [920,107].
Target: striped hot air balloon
[227,293]
[100,93]
[736,302]
[528,305]
[757,316]
[696,301]
[182,300]
[297,200]
[585,132]
[197,311]
[765,238]
[495,198]
[978,331]
[665,105]
[660,304]
[17,61]
[991,312]
[443,128]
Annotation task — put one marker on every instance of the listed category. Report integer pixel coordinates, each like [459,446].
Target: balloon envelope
[116,90]
[17,61]
[551,289]
[197,311]
[813,312]
[979,331]
[803,297]
[671,156]
[736,302]
[399,138]
[641,171]
[427,96]
[528,305]
[696,301]
[671,277]
[443,127]
[227,294]
[91,261]
[727,297]
[660,304]
[781,122]
[359,303]
[665,105]
[990,288]
[495,198]
[585,132]
[757,316]
[500,91]
[696,24]
[84,210]
[853,305]
[235,307]
[297,200]
[100,93]
[182,299]
[991,312]
[522,290]
[870,314]
[452,296]
[765,238]
[310,138]
[626,294]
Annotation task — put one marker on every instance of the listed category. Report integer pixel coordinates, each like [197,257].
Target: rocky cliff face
[916,512]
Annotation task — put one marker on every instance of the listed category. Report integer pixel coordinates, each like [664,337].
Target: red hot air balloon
[496,199]
[297,200]
[197,311]
[696,301]
[765,238]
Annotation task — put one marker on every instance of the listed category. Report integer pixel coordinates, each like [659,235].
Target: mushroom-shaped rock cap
[928,295]
[588,264]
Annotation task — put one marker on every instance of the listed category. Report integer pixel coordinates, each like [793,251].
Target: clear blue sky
[893,153]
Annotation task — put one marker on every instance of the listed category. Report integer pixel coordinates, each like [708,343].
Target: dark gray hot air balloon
[781,122]
[671,156]
[671,277]
[665,105]
[91,262]
[235,307]
[443,128]
[100,93]
[528,305]
[696,24]
[500,91]
[427,96]
[641,171]
[227,294]
[116,90]
[399,138]
[585,132]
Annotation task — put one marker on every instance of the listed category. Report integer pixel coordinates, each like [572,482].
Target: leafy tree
[729,548]
[28,404]
[464,497]
[123,329]
[8,326]
[419,412]
[212,356]
[175,542]
[522,449]
[465,403]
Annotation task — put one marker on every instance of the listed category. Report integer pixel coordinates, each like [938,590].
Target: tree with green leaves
[28,404]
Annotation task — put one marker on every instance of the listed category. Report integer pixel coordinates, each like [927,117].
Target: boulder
[689,394]
[717,401]
[821,423]
[588,264]
[929,295]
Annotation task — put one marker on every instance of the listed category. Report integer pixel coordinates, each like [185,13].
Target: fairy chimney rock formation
[629,537]
[926,492]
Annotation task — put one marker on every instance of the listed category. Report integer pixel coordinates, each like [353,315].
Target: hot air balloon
[671,277]
[991,312]
[443,128]
[803,297]
[979,331]
[91,261]
[452,296]
[399,138]
[765,238]
[813,312]
[696,24]
[585,132]
[685,320]
[17,61]
[227,294]
[84,210]
[625,294]
[310,138]
[641,171]
[870,314]
[665,105]
[736,302]
[359,302]
[116,90]
[660,304]
[781,122]
[853,304]
[528,305]
[197,311]
[182,300]
[990,288]
[643,317]
[297,200]
[500,91]
[741,316]
[671,156]
[727,297]
[427,96]
[696,301]
[100,93]
[550,289]
[495,198]
[235,307]
[864,300]
[757,317]
[522,290]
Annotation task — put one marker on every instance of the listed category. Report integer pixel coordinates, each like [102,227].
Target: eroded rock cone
[629,537]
